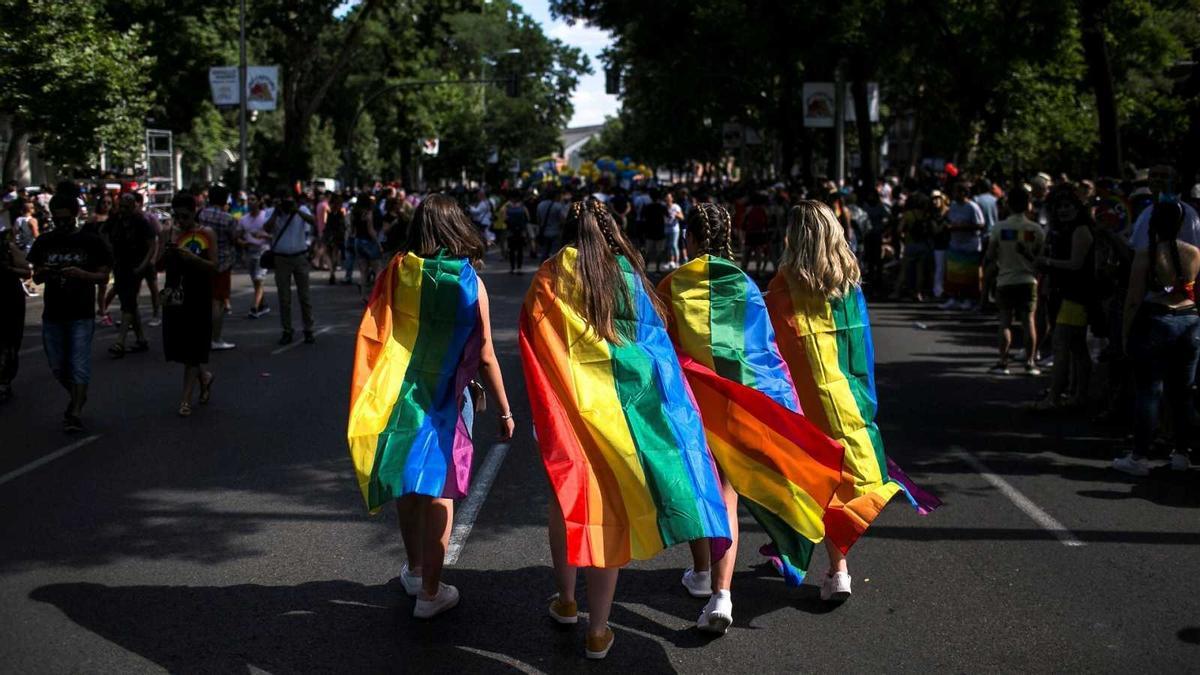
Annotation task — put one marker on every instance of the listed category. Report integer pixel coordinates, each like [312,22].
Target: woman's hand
[506,427]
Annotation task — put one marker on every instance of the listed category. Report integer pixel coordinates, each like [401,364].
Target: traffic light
[512,86]
[612,80]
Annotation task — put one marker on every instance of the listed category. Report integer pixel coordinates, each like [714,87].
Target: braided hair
[711,227]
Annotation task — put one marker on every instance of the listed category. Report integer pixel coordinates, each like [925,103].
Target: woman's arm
[17,264]
[489,367]
[1137,291]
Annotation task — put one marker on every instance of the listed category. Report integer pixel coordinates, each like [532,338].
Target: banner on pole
[224,84]
[262,87]
[429,147]
[819,104]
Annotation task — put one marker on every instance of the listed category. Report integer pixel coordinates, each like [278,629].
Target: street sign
[429,147]
[819,104]
[262,86]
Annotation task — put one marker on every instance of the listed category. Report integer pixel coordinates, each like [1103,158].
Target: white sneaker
[221,345]
[154,322]
[411,582]
[717,614]
[1131,465]
[698,584]
[836,587]
[1179,461]
[446,599]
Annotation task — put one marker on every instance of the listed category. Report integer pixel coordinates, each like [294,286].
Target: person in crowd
[918,225]
[756,224]
[71,263]
[481,214]
[254,241]
[96,223]
[1013,250]
[517,221]
[939,210]
[879,219]
[550,228]
[397,217]
[594,296]
[191,259]
[14,272]
[987,203]
[654,224]
[1071,265]
[672,230]
[419,416]
[367,252]
[965,223]
[289,250]
[819,314]
[134,243]
[151,274]
[335,236]
[320,217]
[1162,335]
[215,216]
[26,228]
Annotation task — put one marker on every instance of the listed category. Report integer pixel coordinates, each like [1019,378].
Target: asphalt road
[236,540]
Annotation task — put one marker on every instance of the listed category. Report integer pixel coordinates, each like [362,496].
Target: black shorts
[127,285]
[1017,298]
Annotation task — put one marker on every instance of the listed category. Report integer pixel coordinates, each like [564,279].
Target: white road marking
[29,350]
[464,518]
[11,475]
[509,661]
[297,343]
[1022,502]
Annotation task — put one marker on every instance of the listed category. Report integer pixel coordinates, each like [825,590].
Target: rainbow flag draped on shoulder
[783,467]
[617,425]
[418,347]
[827,343]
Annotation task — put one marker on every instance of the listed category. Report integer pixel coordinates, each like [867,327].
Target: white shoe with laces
[698,584]
[411,582]
[1131,465]
[446,599]
[717,614]
[836,587]
[1179,461]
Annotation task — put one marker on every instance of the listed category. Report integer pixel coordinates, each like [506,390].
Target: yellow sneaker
[564,611]
[598,645]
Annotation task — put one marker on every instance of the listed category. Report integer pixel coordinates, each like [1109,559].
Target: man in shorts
[216,216]
[255,241]
[1014,247]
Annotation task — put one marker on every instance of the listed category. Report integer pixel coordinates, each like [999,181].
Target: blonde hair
[816,253]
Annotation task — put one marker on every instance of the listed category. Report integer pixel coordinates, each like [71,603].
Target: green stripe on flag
[727,320]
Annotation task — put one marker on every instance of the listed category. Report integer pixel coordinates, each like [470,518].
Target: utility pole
[242,132]
[839,127]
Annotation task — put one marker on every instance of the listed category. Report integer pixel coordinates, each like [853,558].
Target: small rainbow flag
[619,433]
[782,466]
[827,343]
[418,347]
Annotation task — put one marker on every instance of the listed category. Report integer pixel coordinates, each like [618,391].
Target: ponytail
[711,227]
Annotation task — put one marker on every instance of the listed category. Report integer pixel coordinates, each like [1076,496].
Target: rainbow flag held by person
[827,343]
[619,433]
[783,467]
[417,349]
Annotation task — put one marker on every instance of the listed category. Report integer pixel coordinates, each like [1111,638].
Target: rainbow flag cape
[418,347]
[617,425]
[827,344]
[783,467]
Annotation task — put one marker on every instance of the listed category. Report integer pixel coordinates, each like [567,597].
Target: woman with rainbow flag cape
[616,422]
[785,469]
[425,335]
[824,334]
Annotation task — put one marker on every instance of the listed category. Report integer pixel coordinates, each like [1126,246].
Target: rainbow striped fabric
[784,468]
[418,347]
[619,433]
[827,344]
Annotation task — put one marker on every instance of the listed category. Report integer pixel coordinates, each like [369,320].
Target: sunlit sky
[592,105]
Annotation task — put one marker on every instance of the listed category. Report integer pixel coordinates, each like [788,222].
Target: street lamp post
[242,131]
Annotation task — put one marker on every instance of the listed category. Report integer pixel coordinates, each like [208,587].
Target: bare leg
[564,573]
[837,561]
[218,319]
[1029,323]
[191,374]
[722,578]
[412,529]
[601,586]
[701,554]
[1005,335]
[258,293]
[439,514]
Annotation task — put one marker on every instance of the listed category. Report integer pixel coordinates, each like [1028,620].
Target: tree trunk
[866,133]
[1095,54]
[16,156]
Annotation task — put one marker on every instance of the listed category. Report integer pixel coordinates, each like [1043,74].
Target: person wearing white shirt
[289,248]
[256,240]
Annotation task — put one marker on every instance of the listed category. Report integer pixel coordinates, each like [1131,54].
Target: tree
[72,82]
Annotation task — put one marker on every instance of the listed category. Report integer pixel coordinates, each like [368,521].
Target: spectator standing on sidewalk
[1162,335]
[1015,245]
[254,241]
[290,253]
[14,271]
[966,223]
[216,217]
[335,236]
[71,263]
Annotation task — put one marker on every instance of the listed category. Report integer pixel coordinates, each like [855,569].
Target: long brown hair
[816,253]
[709,224]
[440,223]
[598,274]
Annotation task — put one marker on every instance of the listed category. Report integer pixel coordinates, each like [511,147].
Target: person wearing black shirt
[71,263]
[13,273]
[133,240]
